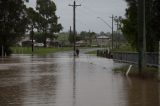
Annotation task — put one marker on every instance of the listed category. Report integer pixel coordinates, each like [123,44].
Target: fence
[130,57]
[104,53]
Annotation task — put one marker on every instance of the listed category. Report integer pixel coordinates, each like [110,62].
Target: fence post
[159,63]
[159,70]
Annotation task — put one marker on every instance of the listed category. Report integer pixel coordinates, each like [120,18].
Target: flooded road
[60,80]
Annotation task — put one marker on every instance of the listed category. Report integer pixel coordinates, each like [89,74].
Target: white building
[103,40]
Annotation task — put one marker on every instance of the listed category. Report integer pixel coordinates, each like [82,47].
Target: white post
[130,66]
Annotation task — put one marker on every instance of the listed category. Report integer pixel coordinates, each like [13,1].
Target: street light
[117,19]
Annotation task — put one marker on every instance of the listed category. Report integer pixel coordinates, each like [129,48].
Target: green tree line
[16,19]
[130,24]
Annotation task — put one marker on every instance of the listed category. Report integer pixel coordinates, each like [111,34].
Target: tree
[155,24]
[71,37]
[38,37]
[92,35]
[13,23]
[129,28]
[48,24]
[88,36]
[102,33]
[130,25]
[33,18]
[84,35]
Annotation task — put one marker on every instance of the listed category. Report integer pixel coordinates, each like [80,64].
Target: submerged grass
[149,72]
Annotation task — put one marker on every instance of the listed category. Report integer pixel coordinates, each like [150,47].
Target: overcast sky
[87,13]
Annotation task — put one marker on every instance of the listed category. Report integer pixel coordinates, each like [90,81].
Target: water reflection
[40,91]
[74,81]
[159,94]
[11,87]
[42,84]
[12,95]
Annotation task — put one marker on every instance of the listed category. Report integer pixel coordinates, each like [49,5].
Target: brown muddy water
[60,80]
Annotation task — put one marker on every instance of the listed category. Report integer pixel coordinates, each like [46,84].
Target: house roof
[103,37]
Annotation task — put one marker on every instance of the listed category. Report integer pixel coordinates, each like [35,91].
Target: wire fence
[152,58]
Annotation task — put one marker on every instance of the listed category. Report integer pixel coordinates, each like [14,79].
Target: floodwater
[60,80]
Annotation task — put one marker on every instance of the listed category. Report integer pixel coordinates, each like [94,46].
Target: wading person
[77,52]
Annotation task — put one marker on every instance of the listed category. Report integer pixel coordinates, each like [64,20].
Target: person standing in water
[77,52]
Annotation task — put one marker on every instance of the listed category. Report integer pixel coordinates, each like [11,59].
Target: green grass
[92,52]
[125,48]
[39,51]
[122,69]
[63,37]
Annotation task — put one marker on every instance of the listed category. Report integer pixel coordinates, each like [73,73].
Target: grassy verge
[39,51]
[125,47]
[92,52]
[150,72]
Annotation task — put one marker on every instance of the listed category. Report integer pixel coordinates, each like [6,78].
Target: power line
[104,22]
[91,10]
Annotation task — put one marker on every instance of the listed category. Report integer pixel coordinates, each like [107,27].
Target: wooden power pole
[112,32]
[74,24]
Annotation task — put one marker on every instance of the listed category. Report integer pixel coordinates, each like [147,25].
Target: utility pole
[70,36]
[70,31]
[141,36]
[74,24]
[112,30]
[117,39]
[117,32]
